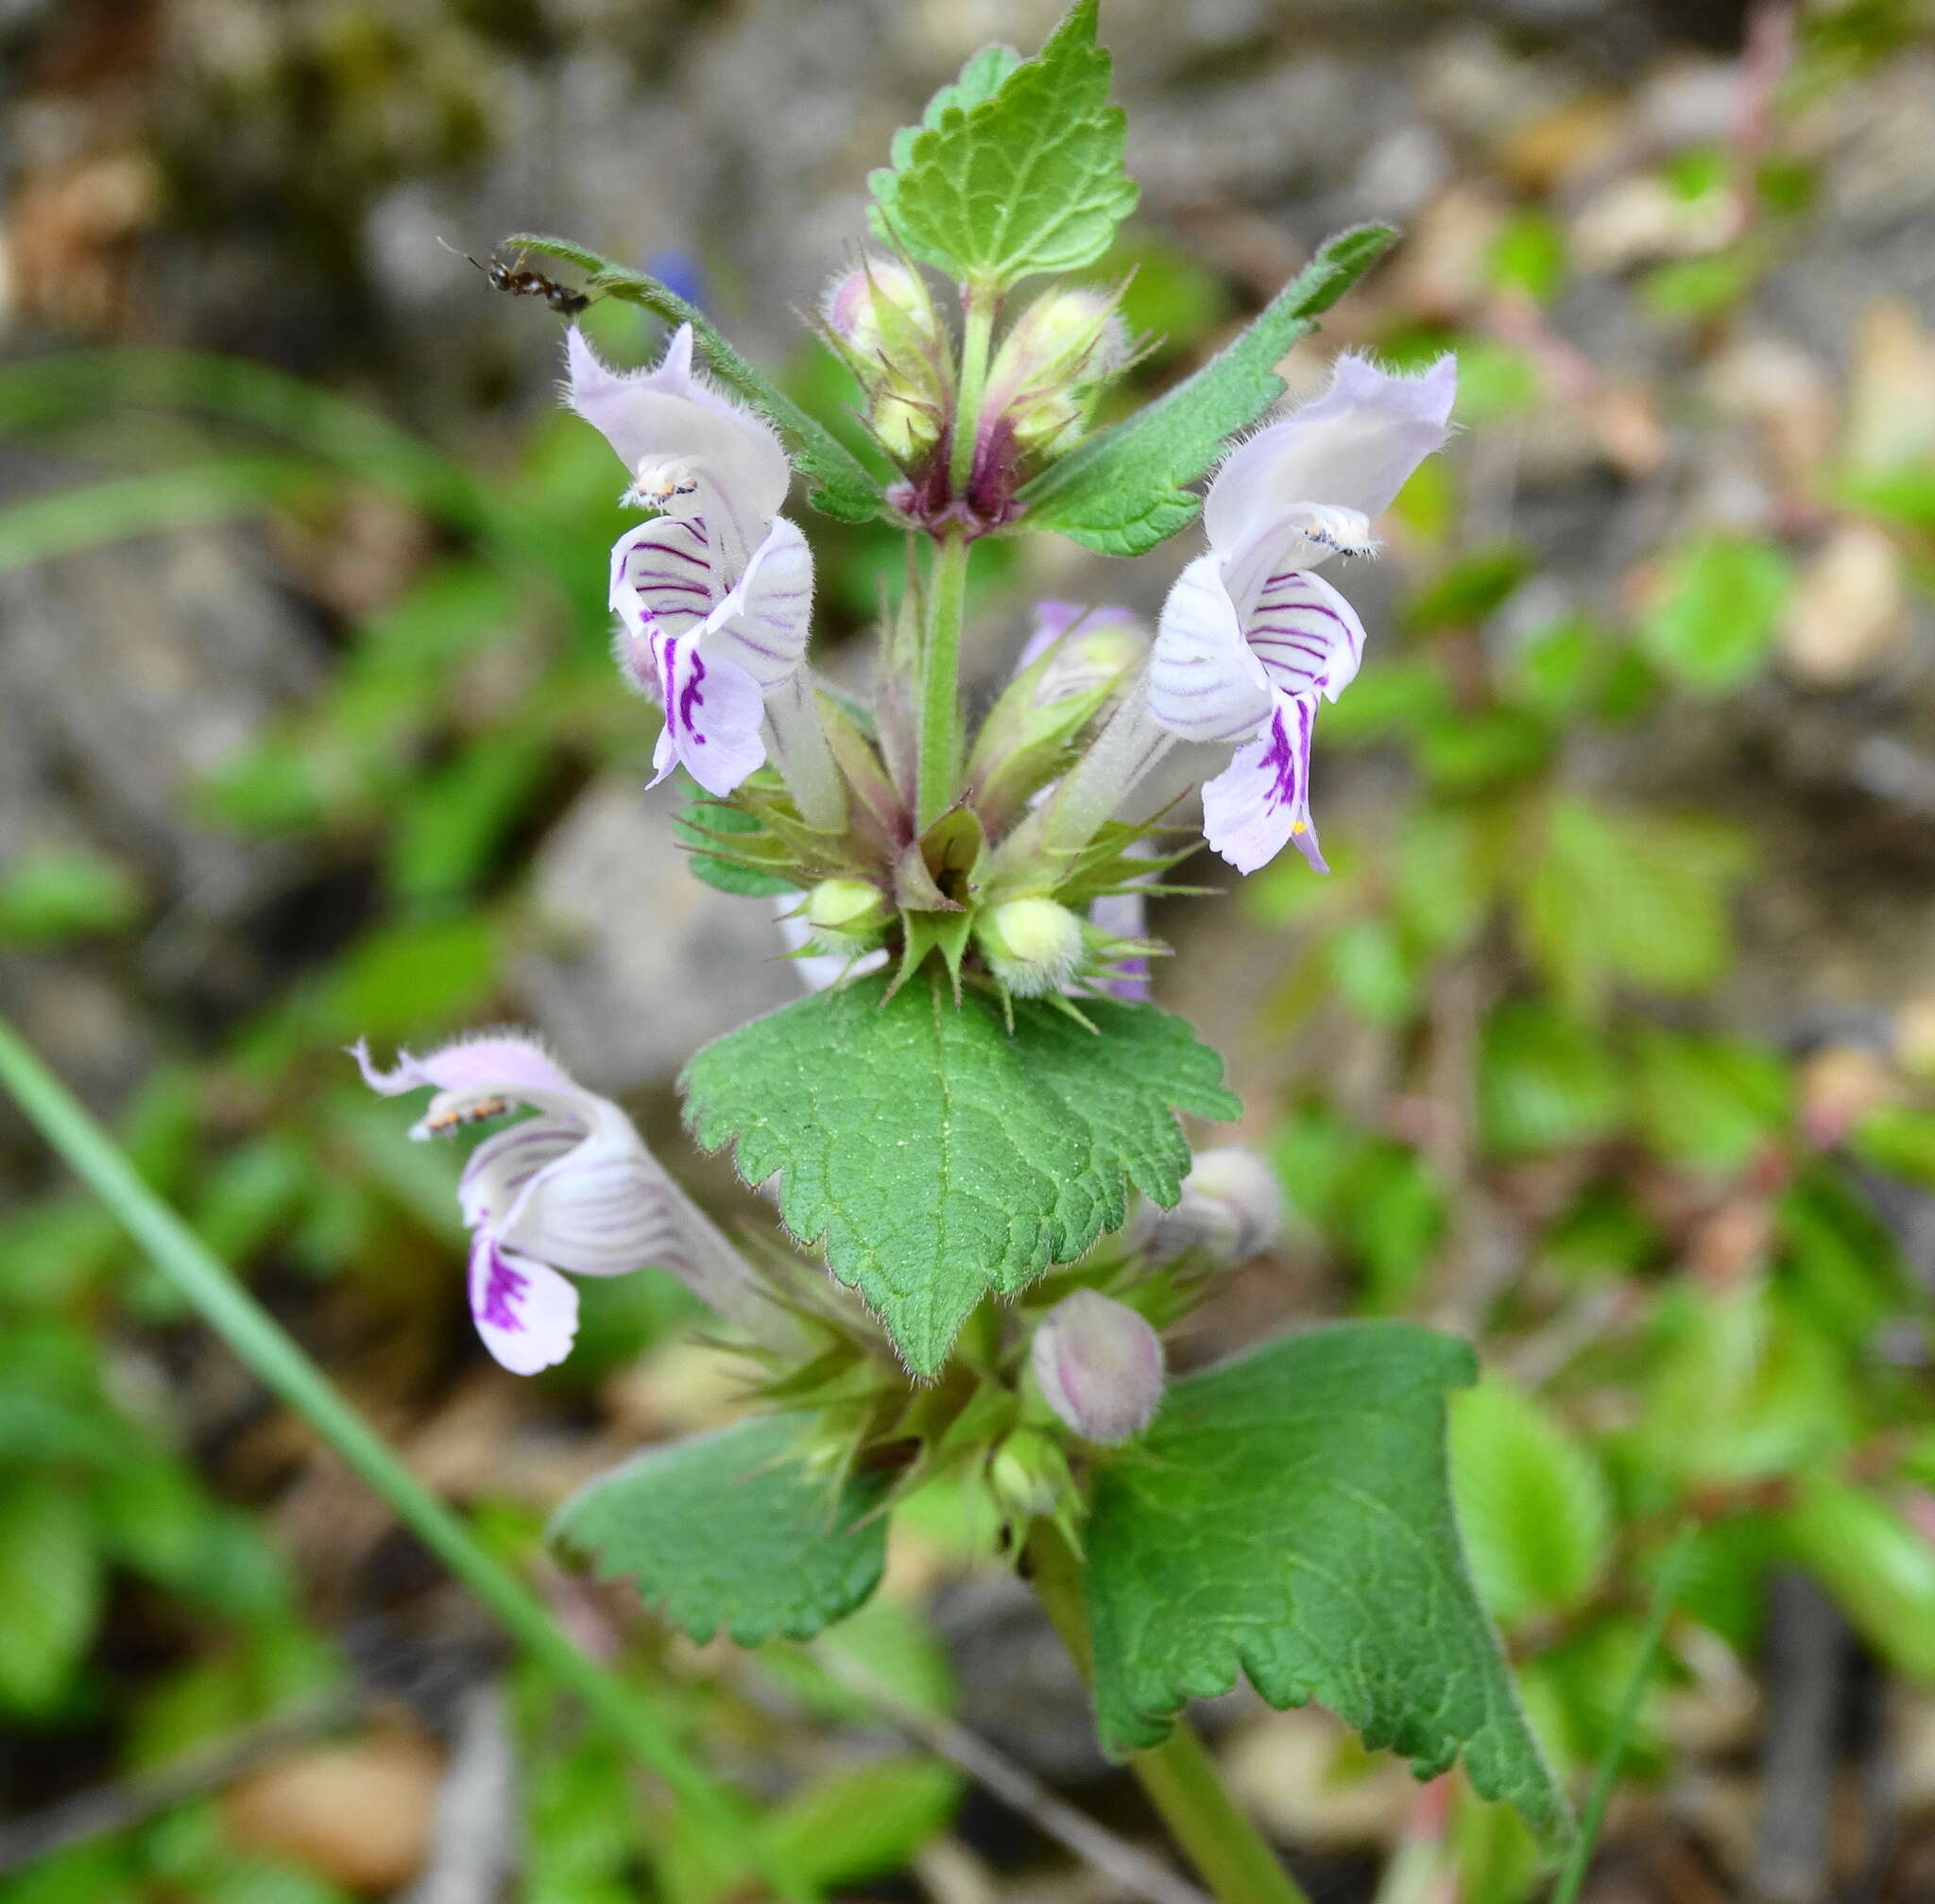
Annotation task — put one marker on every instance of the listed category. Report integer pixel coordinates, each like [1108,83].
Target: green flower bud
[1032,946]
[1097,656]
[883,323]
[1029,1475]
[847,915]
[1067,677]
[907,431]
[1051,367]
[866,305]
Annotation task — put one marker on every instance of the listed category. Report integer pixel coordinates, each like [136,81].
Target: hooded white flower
[1249,638]
[716,591]
[572,1189]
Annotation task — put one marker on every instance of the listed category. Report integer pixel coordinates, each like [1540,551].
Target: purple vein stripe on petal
[503,1290]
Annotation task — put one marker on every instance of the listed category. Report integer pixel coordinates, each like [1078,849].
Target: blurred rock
[1294,1771]
[1848,613]
[651,963]
[1019,1689]
[357,1814]
[1891,415]
[1785,393]
[1642,219]
[1839,1085]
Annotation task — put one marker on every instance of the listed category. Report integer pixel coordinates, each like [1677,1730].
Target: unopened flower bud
[1097,655]
[1030,1475]
[1052,366]
[1032,944]
[1231,1208]
[846,914]
[862,304]
[1099,1365]
[907,431]
[886,327]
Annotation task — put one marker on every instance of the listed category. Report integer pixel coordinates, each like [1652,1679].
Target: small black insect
[521,283]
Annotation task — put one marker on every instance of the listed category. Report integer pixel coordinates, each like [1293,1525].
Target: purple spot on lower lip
[506,1287]
[693,699]
[1280,765]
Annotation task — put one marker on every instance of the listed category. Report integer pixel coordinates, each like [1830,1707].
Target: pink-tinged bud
[1231,1208]
[1099,1365]
[878,289]
[882,321]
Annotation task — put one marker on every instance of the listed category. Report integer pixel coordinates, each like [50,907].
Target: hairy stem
[940,686]
[1179,1776]
[940,659]
[284,1368]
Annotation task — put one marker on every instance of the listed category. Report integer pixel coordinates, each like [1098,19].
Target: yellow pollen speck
[1298,826]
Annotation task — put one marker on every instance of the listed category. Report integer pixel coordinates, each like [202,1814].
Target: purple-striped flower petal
[573,1189]
[1307,635]
[1204,682]
[663,574]
[1262,801]
[714,712]
[507,1159]
[527,1313]
[1249,638]
[761,625]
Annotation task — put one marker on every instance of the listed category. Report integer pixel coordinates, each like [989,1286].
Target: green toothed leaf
[1125,490]
[1289,1516]
[729,1530]
[1014,168]
[934,1156]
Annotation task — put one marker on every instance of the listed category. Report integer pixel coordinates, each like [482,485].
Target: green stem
[940,659]
[1179,1776]
[940,685]
[284,1368]
[1666,1595]
[978,309]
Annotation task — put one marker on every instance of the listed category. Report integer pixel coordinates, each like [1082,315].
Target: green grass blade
[60,388]
[1578,1859]
[106,511]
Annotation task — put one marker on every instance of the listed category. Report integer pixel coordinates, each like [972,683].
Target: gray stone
[647,963]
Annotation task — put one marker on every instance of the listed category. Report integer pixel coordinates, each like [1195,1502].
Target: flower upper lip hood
[1352,448]
[713,593]
[670,414]
[572,1189]
[1249,639]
